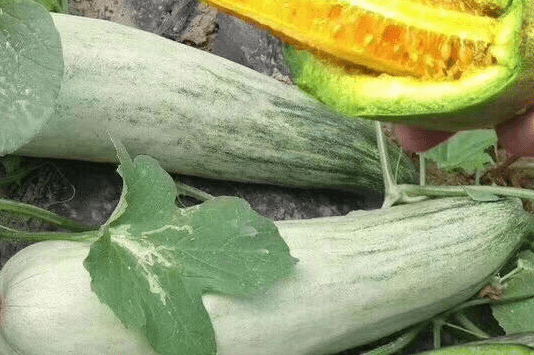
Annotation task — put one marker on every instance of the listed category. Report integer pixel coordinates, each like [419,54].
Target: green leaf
[14,169]
[525,261]
[156,260]
[31,70]
[482,196]
[54,5]
[516,317]
[466,151]
[483,349]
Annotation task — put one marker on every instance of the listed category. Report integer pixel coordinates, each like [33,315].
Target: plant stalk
[190,191]
[16,235]
[437,324]
[392,193]
[450,191]
[396,345]
[465,330]
[23,209]
[470,327]
[422,169]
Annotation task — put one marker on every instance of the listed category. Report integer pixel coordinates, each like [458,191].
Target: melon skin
[199,114]
[334,300]
[46,287]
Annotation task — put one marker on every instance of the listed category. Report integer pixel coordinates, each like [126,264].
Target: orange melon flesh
[428,39]
[436,64]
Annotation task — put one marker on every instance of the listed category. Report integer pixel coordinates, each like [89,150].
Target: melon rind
[480,99]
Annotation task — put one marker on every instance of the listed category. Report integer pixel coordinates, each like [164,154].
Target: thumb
[418,139]
[517,136]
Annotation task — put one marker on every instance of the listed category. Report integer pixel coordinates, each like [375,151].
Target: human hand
[516,136]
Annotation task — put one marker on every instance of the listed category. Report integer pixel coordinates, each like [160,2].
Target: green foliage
[31,71]
[14,170]
[483,349]
[516,317]
[466,151]
[61,6]
[155,260]
[483,196]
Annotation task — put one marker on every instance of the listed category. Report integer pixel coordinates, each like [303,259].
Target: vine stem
[384,160]
[399,343]
[16,235]
[80,231]
[465,330]
[470,327]
[193,192]
[51,218]
[407,193]
[392,192]
[437,324]
[482,301]
[422,169]
[449,191]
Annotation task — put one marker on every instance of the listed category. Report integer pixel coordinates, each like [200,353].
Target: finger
[418,139]
[517,136]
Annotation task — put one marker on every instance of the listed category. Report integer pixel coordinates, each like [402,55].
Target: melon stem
[392,192]
[407,193]
[399,343]
[27,210]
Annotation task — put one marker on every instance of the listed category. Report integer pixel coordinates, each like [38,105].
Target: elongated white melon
[359,277]
[199,114]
